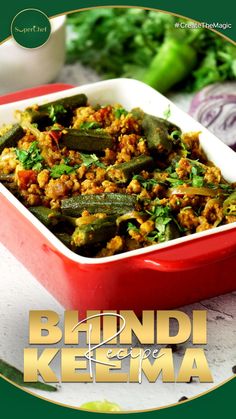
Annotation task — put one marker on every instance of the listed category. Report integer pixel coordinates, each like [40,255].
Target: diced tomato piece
[102,114]
[26,178]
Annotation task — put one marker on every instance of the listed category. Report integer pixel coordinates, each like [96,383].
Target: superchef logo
[109,337]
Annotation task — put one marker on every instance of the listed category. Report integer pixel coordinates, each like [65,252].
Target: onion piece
[218,114]
[215,89]
[189,190]
[133,215]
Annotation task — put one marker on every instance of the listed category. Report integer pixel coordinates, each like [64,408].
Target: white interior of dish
[130,94]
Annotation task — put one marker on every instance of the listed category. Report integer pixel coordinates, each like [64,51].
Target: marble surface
[20,292]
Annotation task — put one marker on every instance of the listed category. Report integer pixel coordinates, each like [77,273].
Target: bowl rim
[57,244]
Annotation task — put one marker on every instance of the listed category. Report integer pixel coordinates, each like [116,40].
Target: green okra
[17,377]
[7,178]
[71,102]
[156,130]
[46,215]
[171,231]
[10,138]
[156,133]
[123,172]
[50,111]
[66,239]
[98,231]
[229,205]
[89,140]
[108,203]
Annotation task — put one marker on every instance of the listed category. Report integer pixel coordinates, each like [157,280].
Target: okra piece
[156,130]
[108,203]
[171,231]
[7,178]
[10,138]
[229,205]
[139,114]
[37,114]
[15,375]
[156,133]
[46,215]
[33,116]
[65,238]
[86,140]
[68,103]
[98,231]
[123,172]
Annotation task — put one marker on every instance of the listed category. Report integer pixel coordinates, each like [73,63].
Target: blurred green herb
[162,216]
[119,42]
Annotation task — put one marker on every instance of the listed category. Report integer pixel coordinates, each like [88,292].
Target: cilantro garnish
[195,176]
[120,111]
[146,183]
[226,187]
[55,111]
[89,159]
[167,112]
[175,181]
[133,227]
[31,158]
[90,125]
[162,216]
[62,169]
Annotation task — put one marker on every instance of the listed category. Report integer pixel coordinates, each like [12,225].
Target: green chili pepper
[173,62]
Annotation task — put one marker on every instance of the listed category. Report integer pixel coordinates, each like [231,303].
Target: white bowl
[22,68]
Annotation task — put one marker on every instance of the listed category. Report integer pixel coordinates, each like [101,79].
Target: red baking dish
[161,276]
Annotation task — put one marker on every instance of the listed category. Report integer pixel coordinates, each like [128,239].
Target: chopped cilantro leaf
[162,216]
[62,169]
[89,159]
[146,183]
[195,176]
[175,182]
[55,111]
[131,226]
[120,111]
[31,158]
[90,125]
[197,181]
